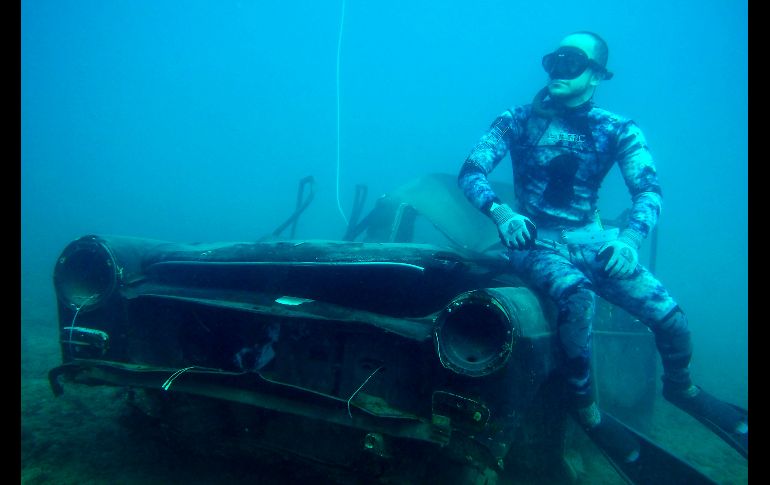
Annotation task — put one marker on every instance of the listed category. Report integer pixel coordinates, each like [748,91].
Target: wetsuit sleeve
[638,170]
[484,157]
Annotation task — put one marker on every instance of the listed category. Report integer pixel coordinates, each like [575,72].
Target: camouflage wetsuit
[558,166]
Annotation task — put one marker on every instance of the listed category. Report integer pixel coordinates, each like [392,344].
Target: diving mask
[569,62]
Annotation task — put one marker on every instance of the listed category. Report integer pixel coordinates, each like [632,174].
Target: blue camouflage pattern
[587,142]
[570,275]
[559,164]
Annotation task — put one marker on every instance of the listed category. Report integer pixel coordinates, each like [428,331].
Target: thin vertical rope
[339,49]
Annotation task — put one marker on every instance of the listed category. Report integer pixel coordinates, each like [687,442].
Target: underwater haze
[195,121]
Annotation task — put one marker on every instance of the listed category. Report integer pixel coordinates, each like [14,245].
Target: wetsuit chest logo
[562,138]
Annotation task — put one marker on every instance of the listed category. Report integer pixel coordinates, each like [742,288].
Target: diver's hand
[621,255]
[516,231]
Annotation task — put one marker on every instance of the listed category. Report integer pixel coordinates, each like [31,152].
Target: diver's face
[577,90]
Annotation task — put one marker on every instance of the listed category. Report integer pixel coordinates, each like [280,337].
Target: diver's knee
[578,299]
[673,339]
[673,325]
[576,313]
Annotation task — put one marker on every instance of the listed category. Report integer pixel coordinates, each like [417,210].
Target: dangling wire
[75,316]
[167,385]
[339,49]
[359,388]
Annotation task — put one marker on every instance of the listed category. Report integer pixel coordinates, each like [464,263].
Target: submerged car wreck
[398,354]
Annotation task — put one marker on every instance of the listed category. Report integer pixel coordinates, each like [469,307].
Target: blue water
[195,121]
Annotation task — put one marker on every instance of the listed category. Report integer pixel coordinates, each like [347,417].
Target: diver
[561,147]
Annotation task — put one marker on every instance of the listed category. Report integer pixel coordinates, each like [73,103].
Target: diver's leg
[672,337]
[644,297]
[554,273]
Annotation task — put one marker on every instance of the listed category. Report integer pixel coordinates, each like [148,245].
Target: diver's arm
[639,173]
[515,231]
[484,157]
[620,256]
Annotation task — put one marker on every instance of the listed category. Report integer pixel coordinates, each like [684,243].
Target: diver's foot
[609,434]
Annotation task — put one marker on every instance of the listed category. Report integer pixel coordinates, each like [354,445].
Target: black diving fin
[649,463]
[739,441]
[721,418]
